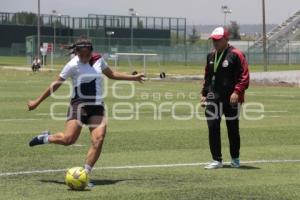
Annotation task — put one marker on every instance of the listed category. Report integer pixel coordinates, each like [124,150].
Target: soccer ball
[77,178]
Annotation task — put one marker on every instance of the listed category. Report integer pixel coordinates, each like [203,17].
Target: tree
[195,36]
[234,30]
[25,18]
[140,24]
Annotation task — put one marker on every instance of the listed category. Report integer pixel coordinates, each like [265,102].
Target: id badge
[211,95]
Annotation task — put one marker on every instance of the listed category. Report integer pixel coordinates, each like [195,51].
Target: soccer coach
[226,79]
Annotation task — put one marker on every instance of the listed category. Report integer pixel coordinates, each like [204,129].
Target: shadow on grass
[242,167]
[95,182]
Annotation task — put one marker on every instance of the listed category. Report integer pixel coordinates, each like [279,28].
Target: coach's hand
[234,98]
[139,77]
[203,101]
[32,105]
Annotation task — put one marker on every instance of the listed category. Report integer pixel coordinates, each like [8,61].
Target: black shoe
[39,140]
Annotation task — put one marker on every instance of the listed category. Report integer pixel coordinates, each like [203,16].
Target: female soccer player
[86,106]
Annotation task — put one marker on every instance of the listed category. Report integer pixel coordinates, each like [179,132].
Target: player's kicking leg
[69,137]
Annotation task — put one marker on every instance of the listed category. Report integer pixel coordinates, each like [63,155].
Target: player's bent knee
[69,141]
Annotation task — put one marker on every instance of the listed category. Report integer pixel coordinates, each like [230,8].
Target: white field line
[48,114]
[26,68]
[78,145]
[124,112]
[22,82]
[9,120]
[273,95]
[144,166]
[276,111]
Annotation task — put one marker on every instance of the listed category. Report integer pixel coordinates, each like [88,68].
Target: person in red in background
[226,79]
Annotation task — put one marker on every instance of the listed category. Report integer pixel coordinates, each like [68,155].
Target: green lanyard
[217,61]
[216,64]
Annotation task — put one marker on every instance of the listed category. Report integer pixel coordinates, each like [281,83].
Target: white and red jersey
[86,78]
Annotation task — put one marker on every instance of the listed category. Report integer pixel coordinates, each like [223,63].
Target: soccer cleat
[39,140]
[90,184]
[235,163]
[214,165]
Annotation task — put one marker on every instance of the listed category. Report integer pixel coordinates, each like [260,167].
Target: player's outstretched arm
[122,76]
[33,104]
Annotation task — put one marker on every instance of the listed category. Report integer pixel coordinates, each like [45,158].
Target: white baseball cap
[219,33]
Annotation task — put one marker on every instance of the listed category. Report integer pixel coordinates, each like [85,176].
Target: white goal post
[117,56]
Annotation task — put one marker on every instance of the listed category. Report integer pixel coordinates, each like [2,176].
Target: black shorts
[82,111]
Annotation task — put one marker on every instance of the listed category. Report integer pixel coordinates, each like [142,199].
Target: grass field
[153,68]
[149,142]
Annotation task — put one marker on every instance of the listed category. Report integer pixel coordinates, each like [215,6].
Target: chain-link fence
[278,52]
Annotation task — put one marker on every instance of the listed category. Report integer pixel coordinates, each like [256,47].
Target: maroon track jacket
[232,75]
